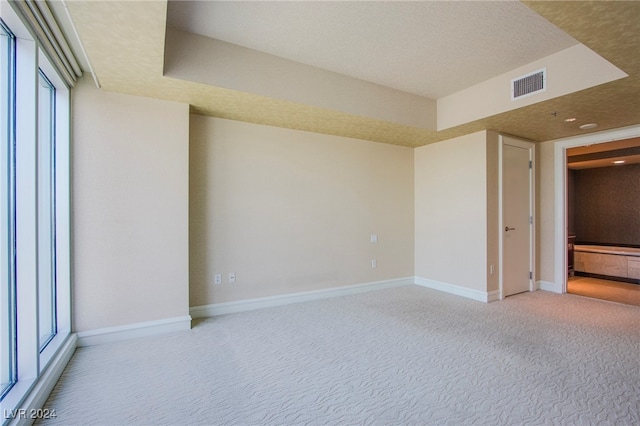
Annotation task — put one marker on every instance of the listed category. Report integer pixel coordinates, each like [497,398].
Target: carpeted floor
[404,356]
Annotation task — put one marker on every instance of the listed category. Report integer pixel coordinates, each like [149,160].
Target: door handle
[507,229]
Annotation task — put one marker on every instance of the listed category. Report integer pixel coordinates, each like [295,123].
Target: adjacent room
[316,212]
[603,188]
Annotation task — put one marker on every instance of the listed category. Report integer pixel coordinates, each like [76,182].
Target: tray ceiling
[432,48]
[125,44]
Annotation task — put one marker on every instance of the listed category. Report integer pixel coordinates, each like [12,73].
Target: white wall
[451,211]
[291,211]
[130,208]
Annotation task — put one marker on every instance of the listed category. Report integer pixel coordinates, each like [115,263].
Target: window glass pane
[46,211]
[7,212]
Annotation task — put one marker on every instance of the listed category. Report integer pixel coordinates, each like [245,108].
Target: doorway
[516,215]
[603,191]
[561,258]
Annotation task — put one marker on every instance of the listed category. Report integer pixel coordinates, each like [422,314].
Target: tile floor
[613,291]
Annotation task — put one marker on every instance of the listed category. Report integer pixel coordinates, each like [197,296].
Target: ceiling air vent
[529,84]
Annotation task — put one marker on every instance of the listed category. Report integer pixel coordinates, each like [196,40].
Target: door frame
[531,147]
[560,183]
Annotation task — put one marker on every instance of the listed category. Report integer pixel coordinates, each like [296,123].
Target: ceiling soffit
[607,154]
[125,43]
[445,46]
[195,58]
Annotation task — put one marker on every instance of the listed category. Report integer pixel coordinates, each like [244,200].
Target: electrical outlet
[491,269]
[218,278]
[374,263]
[232,277]
[374,238]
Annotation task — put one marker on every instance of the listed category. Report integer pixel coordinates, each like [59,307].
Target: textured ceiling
[432,48]
[124,41]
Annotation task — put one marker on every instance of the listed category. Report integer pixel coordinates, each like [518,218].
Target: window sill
[27,396]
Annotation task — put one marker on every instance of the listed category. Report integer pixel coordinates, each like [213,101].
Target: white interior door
[517,209]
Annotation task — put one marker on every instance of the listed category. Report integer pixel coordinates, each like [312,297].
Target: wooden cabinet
[618,262]
[633,267]
[611,265]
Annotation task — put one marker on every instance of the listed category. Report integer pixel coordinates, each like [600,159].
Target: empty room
[318,212]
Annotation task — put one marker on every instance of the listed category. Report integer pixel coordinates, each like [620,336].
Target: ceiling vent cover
[529,84]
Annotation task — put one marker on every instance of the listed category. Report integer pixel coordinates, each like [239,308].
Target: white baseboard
[130,331]
[493,296]
[215,309]
[481,296]
[549,286]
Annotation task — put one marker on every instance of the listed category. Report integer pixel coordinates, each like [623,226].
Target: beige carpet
[405,356]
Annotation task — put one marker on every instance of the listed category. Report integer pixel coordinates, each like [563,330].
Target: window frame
[11,235]
[62,231]
[48,215]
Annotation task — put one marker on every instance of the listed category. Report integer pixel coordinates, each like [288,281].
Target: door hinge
[530,275]
[531,164]
[530,220]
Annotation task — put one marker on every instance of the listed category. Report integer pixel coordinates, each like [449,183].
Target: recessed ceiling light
[618,162]
[588,126]
[569,120]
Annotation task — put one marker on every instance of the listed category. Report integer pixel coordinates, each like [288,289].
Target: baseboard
[39,393]
[481,296]
[131,331]
[215,309]
[549,286]
[493,296]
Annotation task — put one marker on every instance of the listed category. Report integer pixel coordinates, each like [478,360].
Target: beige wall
[451,211]
[493,210]
[291,211]
[545,229]
[130,208]
[287,211]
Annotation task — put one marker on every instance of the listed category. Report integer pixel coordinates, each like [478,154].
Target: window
[7,213]
[46,210]
[35,283]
